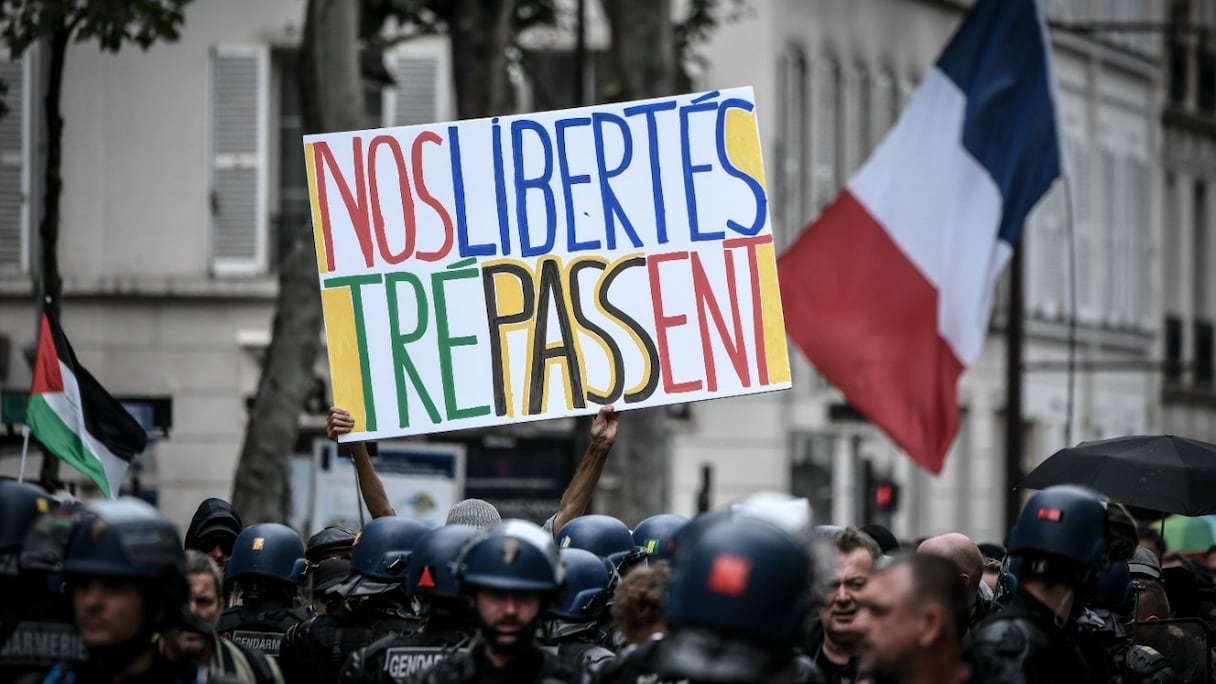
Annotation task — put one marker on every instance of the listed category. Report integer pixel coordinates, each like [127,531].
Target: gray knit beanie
[475,512]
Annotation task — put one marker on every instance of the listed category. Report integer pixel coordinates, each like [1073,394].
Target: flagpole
[1014,338]
[1072,311]
[25,451]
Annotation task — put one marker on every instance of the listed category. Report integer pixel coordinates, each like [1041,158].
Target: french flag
[889,292]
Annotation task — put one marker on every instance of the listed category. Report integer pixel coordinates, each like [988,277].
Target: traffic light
[885,495]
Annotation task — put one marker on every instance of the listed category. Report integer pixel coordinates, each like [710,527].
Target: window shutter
[422,74]
[882,109]
[240,124]
[825,85]
[14,158]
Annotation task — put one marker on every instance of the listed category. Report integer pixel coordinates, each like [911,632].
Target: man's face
[889,623]
[506,615]
[206,604]
[109,611]
[217,546]
[840,596]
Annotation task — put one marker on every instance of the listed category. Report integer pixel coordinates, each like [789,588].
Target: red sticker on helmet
[1051,514]
[729,575]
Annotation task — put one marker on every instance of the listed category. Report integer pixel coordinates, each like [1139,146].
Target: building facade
[833,76]
[183,170]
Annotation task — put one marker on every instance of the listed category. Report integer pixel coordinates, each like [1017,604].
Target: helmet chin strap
[1061,621]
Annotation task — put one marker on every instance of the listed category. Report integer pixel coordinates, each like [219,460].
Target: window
[239,142]
[793,130]
[1178,53]
[811,469]
[14,155]
[1205,76]
[292,203]
[1204,369]
[883,108]
[259,191]
[1173,350]
[1199,249]
[854,110]
[826,135]
[290,179]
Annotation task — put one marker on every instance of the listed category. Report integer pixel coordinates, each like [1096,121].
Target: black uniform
[161,672]
[591,655]
[314,651]
[1023,643]
[259,627]
[642,664]
[397,659]
[38,632]
[533,665]
[1112,654]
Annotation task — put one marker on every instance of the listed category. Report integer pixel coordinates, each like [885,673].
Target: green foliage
[111,23]
[704,17]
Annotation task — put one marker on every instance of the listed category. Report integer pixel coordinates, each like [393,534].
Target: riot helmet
[1061,532]
[654,534]
[745,578]
[603,535]
[590,581]
[380,556]
[432,569]
[128,539]
[738,600]
[20,506]
[513,555]
[266,554]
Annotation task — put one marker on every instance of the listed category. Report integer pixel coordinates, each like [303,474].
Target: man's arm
[577,496]
[339,422]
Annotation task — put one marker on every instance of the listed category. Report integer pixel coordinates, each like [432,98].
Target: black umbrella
[1160,472]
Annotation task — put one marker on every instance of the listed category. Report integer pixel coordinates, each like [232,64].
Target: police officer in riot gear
[654,534]
[1060,541]
[571,624]
[447,623]
[510,573]
[125,570]
[370,604]
[36,629]
[738,601]
[610,539]
[606,537]
[266,563]
[1106,628]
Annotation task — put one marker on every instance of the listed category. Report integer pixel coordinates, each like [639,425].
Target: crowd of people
[111,592]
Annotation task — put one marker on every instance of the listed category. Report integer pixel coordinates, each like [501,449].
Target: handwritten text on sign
[519,268]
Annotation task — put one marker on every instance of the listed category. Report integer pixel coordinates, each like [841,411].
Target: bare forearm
[577,497]
[369,483]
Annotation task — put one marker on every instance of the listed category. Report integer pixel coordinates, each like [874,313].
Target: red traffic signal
[885,495]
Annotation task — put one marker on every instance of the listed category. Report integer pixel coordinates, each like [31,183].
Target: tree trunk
[48,226]
[480,32]
[332,100]
[643,58]
[643,49]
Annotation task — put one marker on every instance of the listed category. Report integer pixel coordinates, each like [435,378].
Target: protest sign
[517,268]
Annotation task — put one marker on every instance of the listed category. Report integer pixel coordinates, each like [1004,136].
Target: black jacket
[534,665]
[1024,644]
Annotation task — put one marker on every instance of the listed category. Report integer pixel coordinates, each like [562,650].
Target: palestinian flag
[75,418]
